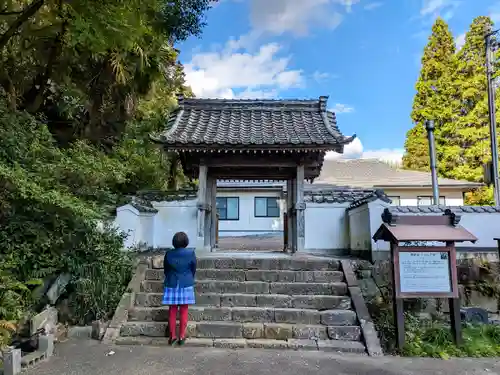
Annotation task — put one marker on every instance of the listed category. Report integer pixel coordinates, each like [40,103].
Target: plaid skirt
[178,296]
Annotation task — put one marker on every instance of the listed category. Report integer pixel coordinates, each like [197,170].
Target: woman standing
[180,268]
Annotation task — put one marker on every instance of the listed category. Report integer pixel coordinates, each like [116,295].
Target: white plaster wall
[172,217]
[414,201]
[127,221]
[248,224]
[359,228]
[326,226]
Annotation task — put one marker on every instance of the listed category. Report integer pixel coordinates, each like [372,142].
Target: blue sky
[363,54]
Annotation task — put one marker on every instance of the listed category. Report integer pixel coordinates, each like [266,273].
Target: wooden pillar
[202,208]
[213,215]
[208,212]
[300,209]
[289,210]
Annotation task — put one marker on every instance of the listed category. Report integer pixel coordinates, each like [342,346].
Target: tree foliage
[82,85]
[434,96]
[452,90]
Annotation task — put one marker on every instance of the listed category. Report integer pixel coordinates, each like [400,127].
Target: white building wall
[326,227]
[248,224]
[172,217]
[127,221]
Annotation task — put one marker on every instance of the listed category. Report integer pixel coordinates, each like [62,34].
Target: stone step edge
[337,275]
[201,281]
[230,308]
[257,295]
[340,346]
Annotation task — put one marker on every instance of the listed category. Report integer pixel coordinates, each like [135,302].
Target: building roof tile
[376,174]
[254,123]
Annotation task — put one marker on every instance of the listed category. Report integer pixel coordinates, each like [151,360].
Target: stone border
[14,363]
[126,302]
[368,330]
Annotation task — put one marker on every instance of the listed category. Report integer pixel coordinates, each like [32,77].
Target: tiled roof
[219,122]
[371,173]
[342,195]
[441,209]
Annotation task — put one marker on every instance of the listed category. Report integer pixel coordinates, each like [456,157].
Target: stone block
[78,332]
[338,318]
[311,332]
[150,286]
[309,288]
[199,313]
[318,276]
[267,344]
[308,264]
[154,275]
[47,319]
[302,344]
[98,329]
[253,314]
[253,330]
[276,331]
[224,263]
[231,300]
[230,343]
[350,333]
[270,276]
[148,299]
[487,303]
[251,287]
[205,263]
[199,343]
[219,329]
[209,299]
[321,302]
[151,329]
[46,344]
[222,274]
[300,316]
[340,346]
[11,361]
[157,261]
[274,300]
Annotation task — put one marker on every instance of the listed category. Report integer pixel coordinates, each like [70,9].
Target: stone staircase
[263,302]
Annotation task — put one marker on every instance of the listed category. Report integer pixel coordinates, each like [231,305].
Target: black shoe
[182,342]
[172,341]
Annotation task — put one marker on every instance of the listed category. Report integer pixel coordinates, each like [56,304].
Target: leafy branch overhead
[82,85]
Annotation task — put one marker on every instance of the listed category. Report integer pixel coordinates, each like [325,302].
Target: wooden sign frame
[452,269]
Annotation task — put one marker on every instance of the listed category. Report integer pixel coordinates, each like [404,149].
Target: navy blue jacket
[179,267]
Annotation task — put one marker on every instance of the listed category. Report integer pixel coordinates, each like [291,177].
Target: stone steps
[316,302]
[250,314]
[255,287]
[269,276]
[271,331]
[293,344]
[247,302]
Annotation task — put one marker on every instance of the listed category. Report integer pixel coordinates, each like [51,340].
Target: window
[396,201]
[427,201]
[228,208]
[267,207]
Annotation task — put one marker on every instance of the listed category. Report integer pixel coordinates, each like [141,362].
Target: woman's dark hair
[180,240]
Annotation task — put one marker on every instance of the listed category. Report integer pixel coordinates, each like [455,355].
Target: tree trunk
[24,17]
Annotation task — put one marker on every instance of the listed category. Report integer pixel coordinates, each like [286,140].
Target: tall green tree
[434,96]
[467,137]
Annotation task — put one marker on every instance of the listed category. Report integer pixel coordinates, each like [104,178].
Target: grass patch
[434,339]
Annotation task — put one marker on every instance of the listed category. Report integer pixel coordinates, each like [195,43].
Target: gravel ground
[85,357]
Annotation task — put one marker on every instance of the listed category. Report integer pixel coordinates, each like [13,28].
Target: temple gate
[219,139]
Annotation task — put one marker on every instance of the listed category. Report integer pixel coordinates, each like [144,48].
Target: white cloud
[434,8]
[342,108]
[294,16]
[320,77]
[372,6]
[355,150]
[224,74]
[460,41]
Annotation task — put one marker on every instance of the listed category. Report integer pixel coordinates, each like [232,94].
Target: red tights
[172,320]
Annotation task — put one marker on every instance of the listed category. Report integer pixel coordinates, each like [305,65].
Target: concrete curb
[126,302]
[368,330]
[14,362]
